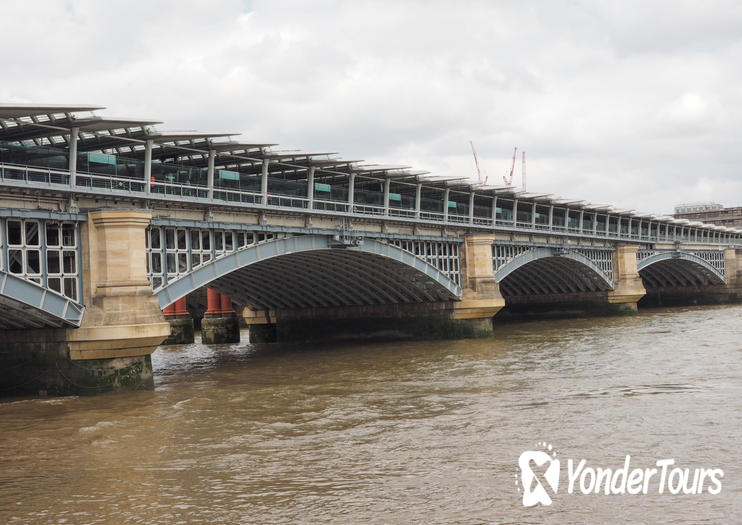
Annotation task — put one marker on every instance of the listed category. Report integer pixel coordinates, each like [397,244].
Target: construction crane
[509,178]
[476,163]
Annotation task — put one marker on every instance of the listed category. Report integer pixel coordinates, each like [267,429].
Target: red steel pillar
[226,304]
[169,310]
[213,302]
[180,307]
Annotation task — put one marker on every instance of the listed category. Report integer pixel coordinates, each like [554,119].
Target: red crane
[476,163]
[509,178]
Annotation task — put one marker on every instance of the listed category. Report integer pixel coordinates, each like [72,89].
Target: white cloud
[630,103]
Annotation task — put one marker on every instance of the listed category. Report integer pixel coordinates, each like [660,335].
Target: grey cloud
[631,103]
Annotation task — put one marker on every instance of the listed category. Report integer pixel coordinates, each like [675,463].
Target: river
[411,432]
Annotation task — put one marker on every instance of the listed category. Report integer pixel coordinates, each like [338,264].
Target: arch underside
[551,276]
[670,273]
[328,278]
[314,271]
[27,305]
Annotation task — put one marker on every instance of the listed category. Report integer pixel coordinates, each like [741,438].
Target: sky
[631,103]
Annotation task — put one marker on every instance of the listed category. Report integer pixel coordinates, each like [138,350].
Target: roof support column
[351,191]
[74,133]
[148,166]
[619,226]
[494,210]
[551,217]
[418,197]
[445,204]
[471,208]
[310,187]
[210,173]
[515,213]
[595,222]
[582,220]
[264,183]
[533,215]
[387,183]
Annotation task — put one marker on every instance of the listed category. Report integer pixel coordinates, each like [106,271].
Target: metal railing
[103,182]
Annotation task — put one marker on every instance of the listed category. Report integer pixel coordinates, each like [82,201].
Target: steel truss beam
[551,270]
[307,271]
[678,268]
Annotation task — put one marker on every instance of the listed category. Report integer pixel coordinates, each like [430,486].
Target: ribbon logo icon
[539,475]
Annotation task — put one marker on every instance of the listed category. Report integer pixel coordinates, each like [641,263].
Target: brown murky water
[424,432]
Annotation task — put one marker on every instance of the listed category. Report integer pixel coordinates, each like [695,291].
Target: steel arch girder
[541,253]
[245,257]
[58,309]
[682,256]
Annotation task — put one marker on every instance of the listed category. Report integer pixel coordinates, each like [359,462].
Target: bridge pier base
[375,329]
[262,333]
[181,331]
[36,362]
[181,323]
[219,325]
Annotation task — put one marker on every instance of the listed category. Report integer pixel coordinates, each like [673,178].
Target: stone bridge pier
[122,324]
[628,285]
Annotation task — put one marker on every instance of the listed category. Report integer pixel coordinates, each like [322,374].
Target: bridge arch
[25,304]
[543,271]
[677,268]
[309,271]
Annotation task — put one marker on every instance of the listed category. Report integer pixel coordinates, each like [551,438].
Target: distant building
[710,212]
[697,207]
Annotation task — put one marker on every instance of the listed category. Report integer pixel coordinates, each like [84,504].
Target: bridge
[113,234]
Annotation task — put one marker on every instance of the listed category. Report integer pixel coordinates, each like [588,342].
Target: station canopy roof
[52,124]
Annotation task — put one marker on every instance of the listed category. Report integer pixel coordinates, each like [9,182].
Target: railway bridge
[114,233]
